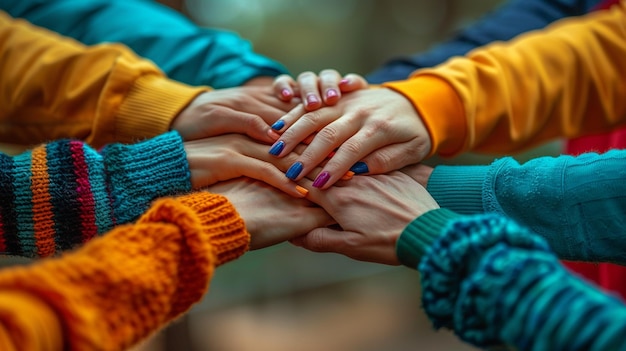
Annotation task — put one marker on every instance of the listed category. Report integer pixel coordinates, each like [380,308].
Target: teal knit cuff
[458,188]
[419,235]
[144,171]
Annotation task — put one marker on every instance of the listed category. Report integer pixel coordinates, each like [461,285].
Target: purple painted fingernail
[321,179]
[277,148]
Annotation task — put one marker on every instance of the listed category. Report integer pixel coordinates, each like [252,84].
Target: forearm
[145,275]
[185,51]
[507,97]
[512,18]
[57,88]
[64,193]
[575,203]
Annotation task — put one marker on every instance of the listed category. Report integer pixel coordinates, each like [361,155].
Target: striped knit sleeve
[496,283]
[62,194]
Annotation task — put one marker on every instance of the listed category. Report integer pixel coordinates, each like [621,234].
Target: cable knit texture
[64,193]
[494,282]
[122,287]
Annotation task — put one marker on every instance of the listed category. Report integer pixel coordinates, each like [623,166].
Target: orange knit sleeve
[120,288]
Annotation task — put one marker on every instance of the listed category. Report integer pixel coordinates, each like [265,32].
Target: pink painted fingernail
[321,179]
[344,81]
[286,94]
[311,99]
[331,93]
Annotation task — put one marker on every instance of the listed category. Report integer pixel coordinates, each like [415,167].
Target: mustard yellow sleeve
[124,286]
[53,87]
[565,81]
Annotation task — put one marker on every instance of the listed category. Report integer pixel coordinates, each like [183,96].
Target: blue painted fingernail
[321,179]
[360,168]
[294,170]
[278,125]
[277,148]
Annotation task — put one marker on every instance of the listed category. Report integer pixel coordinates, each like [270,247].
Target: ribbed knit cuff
[150,106]
[221,222]
[420,234]
[142,172]
[458,188]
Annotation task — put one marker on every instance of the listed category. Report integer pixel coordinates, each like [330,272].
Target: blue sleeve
[576,203]
[183,50]
[509,20]
[497,284]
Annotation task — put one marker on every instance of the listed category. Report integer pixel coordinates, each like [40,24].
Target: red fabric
[611,277]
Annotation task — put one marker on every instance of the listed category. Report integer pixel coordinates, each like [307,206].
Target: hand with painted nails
[371,212]
[316,91]
[246,110]
[271,216]
[224,157]
[369,131]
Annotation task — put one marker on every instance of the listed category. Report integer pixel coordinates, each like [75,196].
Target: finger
[352,82]
[230,121]
[329,86]
[325,142]
[269,174]
[392,157]
[312,217]
[284,87]
[309,90]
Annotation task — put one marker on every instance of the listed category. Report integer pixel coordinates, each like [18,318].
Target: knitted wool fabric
[64,193]
[120,288]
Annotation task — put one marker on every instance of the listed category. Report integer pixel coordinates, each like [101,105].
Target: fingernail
[286,93]
[321,179]
[332,153]
[293,171]
[348,175]
[277,148]
[301,190]
[311,99]
[272,134]
[278,125]
[359,168]
[331,93]
[344,81]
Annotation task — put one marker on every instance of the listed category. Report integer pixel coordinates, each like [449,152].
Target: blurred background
[284,298]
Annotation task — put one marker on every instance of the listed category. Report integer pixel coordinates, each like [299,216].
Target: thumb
[324,240]
[390,158]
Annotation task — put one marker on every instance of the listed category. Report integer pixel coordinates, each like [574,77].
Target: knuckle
[328,135]
[352,147]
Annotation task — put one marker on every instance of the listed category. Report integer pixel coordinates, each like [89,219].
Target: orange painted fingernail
[301,190]
[348,175]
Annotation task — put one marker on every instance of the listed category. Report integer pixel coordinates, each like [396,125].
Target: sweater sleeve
[577,203]
[565,81]
[486,277]
[55,88]
[512,18]
[64,193]
[120,288]
[183,50]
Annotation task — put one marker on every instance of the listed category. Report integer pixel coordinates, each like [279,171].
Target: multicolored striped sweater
[60,195]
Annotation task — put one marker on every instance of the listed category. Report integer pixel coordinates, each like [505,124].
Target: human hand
[419,172]
[246,110]
[378,127]
[372,212]
[270,215]
[329,84]
[229,156]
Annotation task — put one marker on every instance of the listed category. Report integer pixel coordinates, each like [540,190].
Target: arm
[485,277]
[512,18]
[122,287]
[575,203]
[182,49]
[55,88]
[62,194]
[507,97]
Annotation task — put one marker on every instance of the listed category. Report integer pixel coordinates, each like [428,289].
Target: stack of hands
[298,176]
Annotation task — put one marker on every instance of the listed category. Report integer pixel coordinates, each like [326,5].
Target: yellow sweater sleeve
[54,87]
[565,81]
[121,287]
